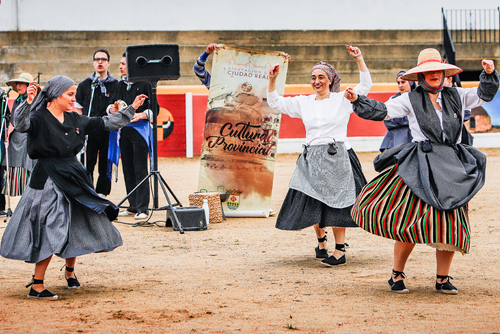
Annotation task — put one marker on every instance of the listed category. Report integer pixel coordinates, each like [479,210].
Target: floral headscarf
[332,74]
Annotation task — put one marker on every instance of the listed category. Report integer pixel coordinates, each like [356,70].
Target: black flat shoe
[332,260]
[398,286]
[45,294]
[446,287]
[72,281]
[321,253]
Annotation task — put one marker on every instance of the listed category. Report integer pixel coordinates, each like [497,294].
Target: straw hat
[23,78]
[430,60]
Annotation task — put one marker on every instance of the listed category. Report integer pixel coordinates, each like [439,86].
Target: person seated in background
[398,131]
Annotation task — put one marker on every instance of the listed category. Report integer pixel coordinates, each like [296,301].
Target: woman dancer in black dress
[60,213]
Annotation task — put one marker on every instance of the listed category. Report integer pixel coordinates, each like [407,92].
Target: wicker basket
[214,204]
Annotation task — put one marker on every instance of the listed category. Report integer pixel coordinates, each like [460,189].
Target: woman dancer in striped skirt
[420,196]
[328,175]
[20,165]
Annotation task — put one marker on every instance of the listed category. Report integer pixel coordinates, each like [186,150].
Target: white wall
[173,15]
[8,15]
[372,144]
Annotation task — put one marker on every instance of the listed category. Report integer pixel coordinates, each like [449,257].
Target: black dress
[60,213]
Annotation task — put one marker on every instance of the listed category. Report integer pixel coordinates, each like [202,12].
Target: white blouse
[401,106]
[325,119]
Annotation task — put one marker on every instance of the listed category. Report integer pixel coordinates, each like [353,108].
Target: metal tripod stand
[155,173]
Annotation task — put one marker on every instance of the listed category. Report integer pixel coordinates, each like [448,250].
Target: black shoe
[332,260]
[446,287]
[45,294]
[398,286]
[72,281]
[321,253]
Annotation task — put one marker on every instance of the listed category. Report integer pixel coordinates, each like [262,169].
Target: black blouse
[49,138]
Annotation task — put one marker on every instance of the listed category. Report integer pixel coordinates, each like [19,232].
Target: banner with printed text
[241,130]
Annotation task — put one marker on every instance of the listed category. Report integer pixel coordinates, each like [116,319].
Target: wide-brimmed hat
[430,60]
[23,78]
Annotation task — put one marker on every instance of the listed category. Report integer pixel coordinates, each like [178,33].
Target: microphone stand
[92,87]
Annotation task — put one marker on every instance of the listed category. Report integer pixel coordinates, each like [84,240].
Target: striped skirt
[18,179]
[388,208]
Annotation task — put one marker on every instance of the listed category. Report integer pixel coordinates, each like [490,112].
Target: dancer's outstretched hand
[354,51]
[32,91]
[488,65]
[350,94]
[274,71]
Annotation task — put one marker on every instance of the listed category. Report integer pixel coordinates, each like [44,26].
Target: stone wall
[386,51]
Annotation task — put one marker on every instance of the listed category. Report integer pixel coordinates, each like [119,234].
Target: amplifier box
[191,218]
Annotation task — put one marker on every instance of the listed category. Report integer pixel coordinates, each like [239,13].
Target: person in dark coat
[92,98]
[135,143]
[398,131]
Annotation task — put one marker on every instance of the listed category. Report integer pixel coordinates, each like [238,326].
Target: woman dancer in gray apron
[328,174]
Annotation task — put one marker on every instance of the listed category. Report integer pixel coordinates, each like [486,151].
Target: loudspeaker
[153,62]
[192,218]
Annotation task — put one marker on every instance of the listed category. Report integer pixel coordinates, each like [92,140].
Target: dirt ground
[243,275]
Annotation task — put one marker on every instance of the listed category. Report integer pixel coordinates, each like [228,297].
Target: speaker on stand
[153,63]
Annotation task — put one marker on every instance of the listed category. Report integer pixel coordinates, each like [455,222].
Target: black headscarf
[54,88]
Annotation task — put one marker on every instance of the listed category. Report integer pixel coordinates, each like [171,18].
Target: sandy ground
[243,275]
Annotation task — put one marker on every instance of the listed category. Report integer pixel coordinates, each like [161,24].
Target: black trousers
[134,153]
[97,146]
